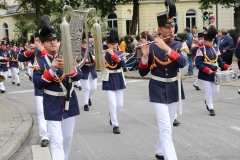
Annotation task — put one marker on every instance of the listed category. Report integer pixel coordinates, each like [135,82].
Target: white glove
[1,58]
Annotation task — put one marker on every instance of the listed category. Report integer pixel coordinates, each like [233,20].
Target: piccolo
[147,43]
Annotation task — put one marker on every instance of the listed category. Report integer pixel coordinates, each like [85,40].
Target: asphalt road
[199,136]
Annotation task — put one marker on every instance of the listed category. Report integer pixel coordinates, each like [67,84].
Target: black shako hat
[113,36]
[3,42]
[32,39]
[165,18]
[46,29]
[210,34]
[200,34]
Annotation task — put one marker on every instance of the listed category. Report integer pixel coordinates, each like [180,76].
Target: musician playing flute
[48,75]
[89,78]
[164,58]
[31,54]
[207,58]
[113,81]
[13,62]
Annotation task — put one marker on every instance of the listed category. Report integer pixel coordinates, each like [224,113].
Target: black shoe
[116,130]
[9,76]
[18,84]
[80,88]
[89,102]
[3,91]
[176,122]
[30,78]
[197,88]
[239,91]
[212,112]
[206,106]
[44,143]
[13,82]
[86,108]
[75,85]
[159,157]
[110,122]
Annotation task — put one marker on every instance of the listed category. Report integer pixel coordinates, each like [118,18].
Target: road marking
[40,153]
[235,128]
[24,91]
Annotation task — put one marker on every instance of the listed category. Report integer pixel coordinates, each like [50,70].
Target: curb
[20,134]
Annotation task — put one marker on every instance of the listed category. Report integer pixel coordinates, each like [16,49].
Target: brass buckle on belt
[168,80]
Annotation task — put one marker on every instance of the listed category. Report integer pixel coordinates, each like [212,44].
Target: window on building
[5,30]
[112,20]
[129,26]
[190,18]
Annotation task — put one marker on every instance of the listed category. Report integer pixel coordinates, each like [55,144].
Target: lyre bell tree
[207,4]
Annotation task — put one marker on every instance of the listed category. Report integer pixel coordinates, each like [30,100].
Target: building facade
[9,16]
[188,15]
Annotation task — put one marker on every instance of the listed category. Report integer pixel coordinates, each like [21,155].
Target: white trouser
[115,101]
[22,65]
[88,87]
[77,83]
[42,123]
[29,71]
[9,71]
[5,74]
[176,115]
[61,134]
[211,90]
[15,77]
[18,70]
[165,116]
[197,82]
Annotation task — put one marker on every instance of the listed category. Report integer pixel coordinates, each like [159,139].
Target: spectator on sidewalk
[122,45]
[226,47]
[189,40]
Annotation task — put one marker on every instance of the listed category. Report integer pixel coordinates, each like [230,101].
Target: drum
[225,76]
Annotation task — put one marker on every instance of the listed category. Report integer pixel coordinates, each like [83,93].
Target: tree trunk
[237,20]
[38,14]
[135,17]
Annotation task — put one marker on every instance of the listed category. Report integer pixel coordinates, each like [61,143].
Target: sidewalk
[188,79]
[15,126]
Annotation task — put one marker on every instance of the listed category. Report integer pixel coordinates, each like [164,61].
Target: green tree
[207,4]
[23,27]
[44,7]
[109,6]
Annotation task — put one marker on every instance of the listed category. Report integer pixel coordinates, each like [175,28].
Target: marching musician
[207,58]
[89,78]
[237,54]
[48,75]
[32,53]
[113,80]
[164,58]
[13,62]
[4,58]
[197,82]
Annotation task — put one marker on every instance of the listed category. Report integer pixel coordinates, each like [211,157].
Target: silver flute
[147,43]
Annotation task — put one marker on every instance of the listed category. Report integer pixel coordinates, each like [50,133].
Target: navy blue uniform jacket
[54,105]
[13,62]
[3,62]
[237,51]
[204,69]
[25,56]
[161,92]
[86,70]
[116,81]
